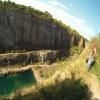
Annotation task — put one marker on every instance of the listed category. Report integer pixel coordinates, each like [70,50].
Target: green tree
[48,14]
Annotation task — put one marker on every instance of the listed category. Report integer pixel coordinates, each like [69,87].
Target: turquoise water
[10,83]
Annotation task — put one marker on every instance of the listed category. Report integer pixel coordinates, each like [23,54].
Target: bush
[68,89]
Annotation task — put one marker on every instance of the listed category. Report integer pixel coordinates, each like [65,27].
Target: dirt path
[95,87]
[91,78]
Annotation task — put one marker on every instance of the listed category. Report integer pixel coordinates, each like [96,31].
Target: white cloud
[58,4]
[61,12]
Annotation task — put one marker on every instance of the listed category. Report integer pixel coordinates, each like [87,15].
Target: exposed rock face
[78,41]
[26,31]
[29,57]
[82,42]
[19,30]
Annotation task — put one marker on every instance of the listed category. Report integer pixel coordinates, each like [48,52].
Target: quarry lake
[10,83]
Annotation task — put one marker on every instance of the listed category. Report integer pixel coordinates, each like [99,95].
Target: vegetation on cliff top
[8,5]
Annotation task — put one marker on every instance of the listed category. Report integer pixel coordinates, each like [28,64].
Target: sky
[82,15]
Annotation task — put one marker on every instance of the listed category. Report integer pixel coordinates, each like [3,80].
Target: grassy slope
[96,68]
[70,81]
[78,67]
[65,80]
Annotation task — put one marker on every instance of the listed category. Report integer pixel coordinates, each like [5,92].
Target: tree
[48,14]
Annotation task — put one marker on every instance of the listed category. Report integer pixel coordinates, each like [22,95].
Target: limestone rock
[19,30]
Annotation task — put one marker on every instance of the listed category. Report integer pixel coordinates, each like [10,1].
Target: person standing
[91,59]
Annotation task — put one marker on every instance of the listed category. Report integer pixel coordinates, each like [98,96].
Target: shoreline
[7,71]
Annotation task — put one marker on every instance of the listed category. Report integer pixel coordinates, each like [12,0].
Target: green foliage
[48,14]
[75,50]
[68,89]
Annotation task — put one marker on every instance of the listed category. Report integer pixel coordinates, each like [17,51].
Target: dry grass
[55,77]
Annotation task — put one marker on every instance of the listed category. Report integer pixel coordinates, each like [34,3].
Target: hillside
[68,80]
[43,59]
[26,28]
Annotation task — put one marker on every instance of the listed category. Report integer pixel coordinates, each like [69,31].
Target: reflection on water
[10,83]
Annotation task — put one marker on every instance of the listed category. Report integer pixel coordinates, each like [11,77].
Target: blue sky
[82,15]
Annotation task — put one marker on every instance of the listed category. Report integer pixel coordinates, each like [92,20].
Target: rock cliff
[25,28]
[20,30]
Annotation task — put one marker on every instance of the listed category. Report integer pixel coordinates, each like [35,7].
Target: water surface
[11,83]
